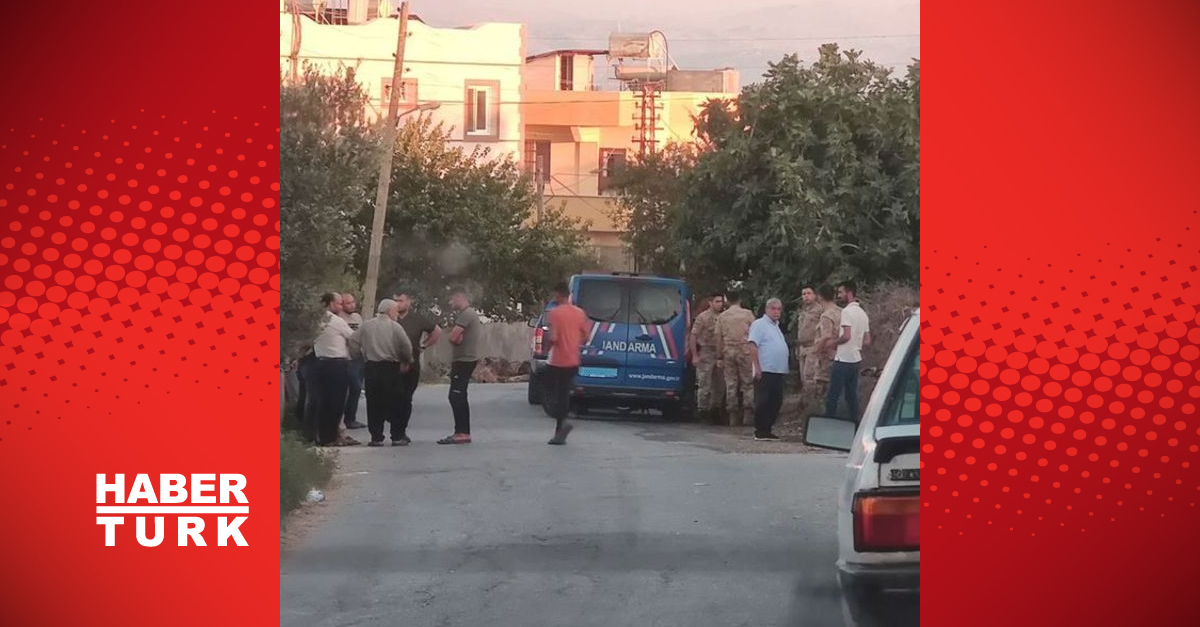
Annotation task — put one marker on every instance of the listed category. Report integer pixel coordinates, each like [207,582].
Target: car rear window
[603,301]
[655,303]
[904,401]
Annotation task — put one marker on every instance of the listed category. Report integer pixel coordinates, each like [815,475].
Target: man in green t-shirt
[423,333]
[464,337]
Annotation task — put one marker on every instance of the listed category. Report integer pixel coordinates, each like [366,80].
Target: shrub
[301,468]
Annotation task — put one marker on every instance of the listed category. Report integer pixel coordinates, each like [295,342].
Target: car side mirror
[830,433]
[532,322]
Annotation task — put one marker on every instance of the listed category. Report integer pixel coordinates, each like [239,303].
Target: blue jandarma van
[634,355]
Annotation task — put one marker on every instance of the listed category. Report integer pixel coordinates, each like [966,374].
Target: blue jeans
[843,380]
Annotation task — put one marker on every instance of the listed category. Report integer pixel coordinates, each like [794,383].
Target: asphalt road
[633,524]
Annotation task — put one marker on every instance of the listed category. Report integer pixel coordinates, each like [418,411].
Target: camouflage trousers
[739,378]
[706,370]
[814,374]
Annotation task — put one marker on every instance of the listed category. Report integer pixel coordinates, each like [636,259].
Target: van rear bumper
[591,392]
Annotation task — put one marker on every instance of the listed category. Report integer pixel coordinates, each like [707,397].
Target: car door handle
[643,337]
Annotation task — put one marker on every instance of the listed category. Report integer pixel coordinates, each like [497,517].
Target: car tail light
[670,394]
[887,522]
[538,335]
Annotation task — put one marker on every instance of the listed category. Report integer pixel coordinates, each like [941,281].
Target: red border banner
[139,246]
[1059,313]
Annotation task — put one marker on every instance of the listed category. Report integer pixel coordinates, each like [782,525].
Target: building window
[482,111]
[408,93]
[611,162]
[537,159]
[566,72]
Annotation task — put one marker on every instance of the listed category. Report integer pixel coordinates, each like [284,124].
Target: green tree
[812,175]
[649,192]
[326,159]
[467,218]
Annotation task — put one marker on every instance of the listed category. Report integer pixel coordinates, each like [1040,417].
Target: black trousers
[843,380]
[354,389]
[328,390]
[768,399]
[382,381]
[556,397]
[305,419]
[408,386]
[460,378]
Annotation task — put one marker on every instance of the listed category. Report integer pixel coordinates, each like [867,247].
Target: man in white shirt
[355,386]
[332,371]
[847,360]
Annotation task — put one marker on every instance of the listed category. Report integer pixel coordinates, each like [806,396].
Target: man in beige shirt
[331,373]
[387,352]
[355,368]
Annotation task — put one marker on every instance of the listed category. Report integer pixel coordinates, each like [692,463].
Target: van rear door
[657,329]
[605,300]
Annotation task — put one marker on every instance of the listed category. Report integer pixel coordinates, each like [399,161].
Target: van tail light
[538,335]
[885,522]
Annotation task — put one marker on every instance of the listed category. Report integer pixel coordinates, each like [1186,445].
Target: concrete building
[581,124]
[473,73]
[578,113]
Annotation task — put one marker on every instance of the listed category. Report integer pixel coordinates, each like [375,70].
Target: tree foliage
[813,175]
[326,158]
[648,197]
[466,218]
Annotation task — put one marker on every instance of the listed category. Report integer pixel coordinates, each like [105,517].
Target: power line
[350,31]
[587,201]
[752,39]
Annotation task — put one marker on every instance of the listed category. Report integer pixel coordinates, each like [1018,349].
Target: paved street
[631,524]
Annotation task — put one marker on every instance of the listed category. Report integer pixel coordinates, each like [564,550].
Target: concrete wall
[509,340]
[715,81]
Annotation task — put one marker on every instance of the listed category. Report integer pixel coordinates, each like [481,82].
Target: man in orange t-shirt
[569,329]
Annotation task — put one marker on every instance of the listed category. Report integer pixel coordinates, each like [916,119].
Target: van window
[603,301]
[655,303]
[904,400]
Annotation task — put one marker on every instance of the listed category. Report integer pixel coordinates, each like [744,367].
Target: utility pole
[294,57]
[385,166]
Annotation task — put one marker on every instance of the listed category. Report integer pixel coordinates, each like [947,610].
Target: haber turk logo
[192,501]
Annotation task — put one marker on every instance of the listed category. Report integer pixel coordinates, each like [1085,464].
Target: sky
[705,34]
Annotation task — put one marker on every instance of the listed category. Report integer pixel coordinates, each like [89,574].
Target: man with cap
[387,352]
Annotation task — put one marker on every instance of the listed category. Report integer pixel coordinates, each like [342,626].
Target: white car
[879,508]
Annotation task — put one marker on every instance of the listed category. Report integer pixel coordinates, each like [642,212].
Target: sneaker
[404,441]
[560,436]
[769,437]
[457,438]
[375,443]
[355,425]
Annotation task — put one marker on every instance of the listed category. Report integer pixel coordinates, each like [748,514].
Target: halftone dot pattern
[1044,387]
[127,275]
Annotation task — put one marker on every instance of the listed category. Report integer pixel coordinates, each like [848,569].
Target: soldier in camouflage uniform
[733,333]
[806,333]
[829,327]
[705,354]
